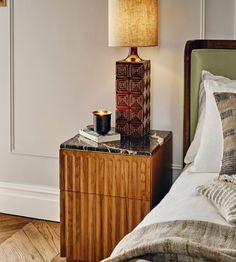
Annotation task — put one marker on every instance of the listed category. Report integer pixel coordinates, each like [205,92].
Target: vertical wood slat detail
[79,229]
[106,174]
[94,224]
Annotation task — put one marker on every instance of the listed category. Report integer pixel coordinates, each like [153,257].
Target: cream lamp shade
[133,23]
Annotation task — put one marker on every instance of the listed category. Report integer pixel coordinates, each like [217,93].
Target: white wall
[220,19]
[63,70]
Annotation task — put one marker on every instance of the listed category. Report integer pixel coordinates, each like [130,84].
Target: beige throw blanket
[222,195]
[178,241]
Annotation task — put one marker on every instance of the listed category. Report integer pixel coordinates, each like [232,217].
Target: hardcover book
[89,133]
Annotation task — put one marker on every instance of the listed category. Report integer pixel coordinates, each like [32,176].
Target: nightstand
[106,189]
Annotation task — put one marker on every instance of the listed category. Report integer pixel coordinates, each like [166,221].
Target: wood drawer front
[77,226]
[105,174]
[92,225]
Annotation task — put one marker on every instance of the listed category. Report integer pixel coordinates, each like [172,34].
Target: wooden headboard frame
[191,45]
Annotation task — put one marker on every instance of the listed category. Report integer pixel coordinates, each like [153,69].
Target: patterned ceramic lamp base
[133,98]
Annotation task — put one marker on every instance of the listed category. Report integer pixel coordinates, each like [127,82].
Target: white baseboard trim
[30,201]
[177,167]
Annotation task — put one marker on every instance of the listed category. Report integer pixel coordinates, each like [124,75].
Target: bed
[163,235]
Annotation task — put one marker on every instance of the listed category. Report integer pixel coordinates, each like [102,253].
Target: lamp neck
[133,55]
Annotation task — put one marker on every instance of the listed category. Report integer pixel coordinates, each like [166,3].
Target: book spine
[91,137]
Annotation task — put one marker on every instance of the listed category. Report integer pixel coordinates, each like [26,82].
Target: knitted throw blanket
[178,241]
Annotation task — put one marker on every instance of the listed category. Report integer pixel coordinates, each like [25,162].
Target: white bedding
[184,203]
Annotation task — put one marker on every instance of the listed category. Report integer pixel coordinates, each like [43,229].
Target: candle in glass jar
[102,121]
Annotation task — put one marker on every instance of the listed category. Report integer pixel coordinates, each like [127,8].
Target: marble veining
[137,146]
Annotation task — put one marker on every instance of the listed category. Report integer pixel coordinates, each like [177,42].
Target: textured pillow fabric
[223,197]
[226,103]
[194,147]
[209,155]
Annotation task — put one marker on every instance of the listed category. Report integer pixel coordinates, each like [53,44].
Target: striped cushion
[226,103]
[223,196]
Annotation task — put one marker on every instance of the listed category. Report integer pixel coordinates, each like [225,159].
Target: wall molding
[202,19]
[30,201]
[13,149]
[12,128]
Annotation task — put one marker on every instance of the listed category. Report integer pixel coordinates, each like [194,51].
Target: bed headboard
[215,56]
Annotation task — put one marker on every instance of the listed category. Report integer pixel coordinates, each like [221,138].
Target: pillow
[194,147]
[209,155]
[226,103]
[223,197]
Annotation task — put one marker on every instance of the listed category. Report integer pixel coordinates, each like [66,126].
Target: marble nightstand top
[139,146]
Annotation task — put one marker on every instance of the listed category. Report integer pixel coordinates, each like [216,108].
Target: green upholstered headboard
[218,62]
[215,56]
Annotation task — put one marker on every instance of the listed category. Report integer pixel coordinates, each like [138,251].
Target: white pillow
[194,147]
[209,155]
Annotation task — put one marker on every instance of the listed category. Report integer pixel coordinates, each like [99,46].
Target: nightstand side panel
[161,174]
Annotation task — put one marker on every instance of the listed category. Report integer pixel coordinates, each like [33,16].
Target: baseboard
[30,201]
[177,167]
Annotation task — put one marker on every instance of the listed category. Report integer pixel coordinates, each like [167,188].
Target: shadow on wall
[175,175]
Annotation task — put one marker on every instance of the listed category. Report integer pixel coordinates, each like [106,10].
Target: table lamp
[133,23]
[3,3]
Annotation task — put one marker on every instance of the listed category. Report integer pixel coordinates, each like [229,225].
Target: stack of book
[89,133]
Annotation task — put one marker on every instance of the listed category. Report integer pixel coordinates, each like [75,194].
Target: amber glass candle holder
[102,121]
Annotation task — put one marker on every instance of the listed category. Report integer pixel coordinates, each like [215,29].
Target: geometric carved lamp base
[133,98]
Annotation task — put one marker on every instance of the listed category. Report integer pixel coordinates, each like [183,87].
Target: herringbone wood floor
[25,240]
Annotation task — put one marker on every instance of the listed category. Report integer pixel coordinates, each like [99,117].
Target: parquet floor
[25,240]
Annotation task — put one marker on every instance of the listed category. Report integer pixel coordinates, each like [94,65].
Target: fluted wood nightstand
[107,189]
